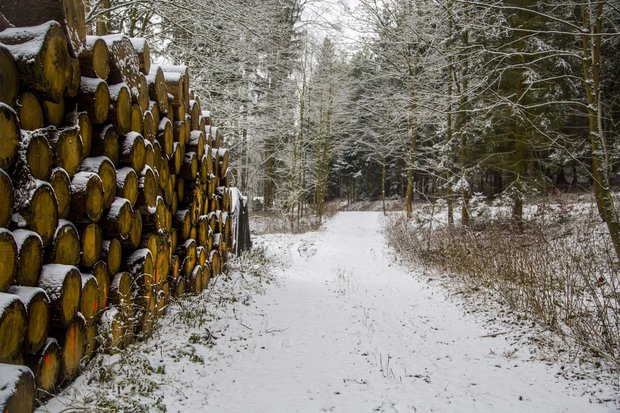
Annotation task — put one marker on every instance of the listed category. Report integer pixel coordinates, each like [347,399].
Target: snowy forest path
[345,328]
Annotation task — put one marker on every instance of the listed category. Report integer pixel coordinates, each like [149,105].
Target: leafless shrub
[560,271]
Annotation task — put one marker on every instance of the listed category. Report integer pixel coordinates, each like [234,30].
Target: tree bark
[9,128]
[9,88]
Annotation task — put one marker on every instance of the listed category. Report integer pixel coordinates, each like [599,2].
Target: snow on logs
[114,194]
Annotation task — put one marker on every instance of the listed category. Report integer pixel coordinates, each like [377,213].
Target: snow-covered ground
[339,325]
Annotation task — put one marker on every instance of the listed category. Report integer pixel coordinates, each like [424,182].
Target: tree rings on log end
[30,111]
[86,197]
[127,184]
[65,246]
[37,153]
[91,239]
[36,303]
[61,183]
[67,148]
[103,167]
[40,210]
[63,284]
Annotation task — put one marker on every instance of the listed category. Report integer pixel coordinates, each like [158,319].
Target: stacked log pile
[114,195]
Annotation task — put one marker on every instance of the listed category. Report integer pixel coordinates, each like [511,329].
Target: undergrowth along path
[347,329]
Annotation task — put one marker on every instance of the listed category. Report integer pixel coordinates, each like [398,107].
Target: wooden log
[163,298]
[7,199]
[29,257]
[9,87]
[29,111]
[194,280]
[136,119]
[72,342]
[195,112]
[35,155]
[120,107]
[133,151]
[95,58]
[106,143]
[112,255]
[148,126]
[127,184]
[187,250]
[53,112]
[37,207]
[73,84]
[142,50]
[214,137]
[162,261]
[66,147]
[135,235]
[158,157]
[157,89]
[36,302]
[104,168]
[154,219]
[65,245]
[175,162]
[94,98]
[165,136]
[89,301]
[203,230]
[12,325]
[91,239]
[11,135]
[82,120]
[69,13]
[121,291]
[178,286]
[146,314]
[112,328]
[189,170]
[92,330]
[143,94]
[222,160]
[117,221]
[61,183]
[181,132]
[154,109]
[202,255]
[17,389]
[139,263]
[124,65]
[177,76]
[148,189]
[206,273]
[182,222]
[86,197]
[216,263]
[197,143]
[41,57]
[63,285]
[46,367]
[149,154]
[102,275]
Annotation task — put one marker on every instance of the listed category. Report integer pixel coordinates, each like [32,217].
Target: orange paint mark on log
[48,359]
[95,306]
[73,338]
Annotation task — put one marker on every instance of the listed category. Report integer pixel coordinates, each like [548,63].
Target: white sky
[333,18]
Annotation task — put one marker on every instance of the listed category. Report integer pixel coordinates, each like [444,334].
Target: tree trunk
[91,239]
[38,208]
[36,303]
[65,245]
[103,167]
[94,98]
[9,88]
[95,58]
[11,136]
[69,13]
[86,197]
[61,183]
[67,148]
[12,325]
[120,107]
[46,367]
[41,57]
[63,285]
[17,389]
[106,143]
[29,111]
[29,257]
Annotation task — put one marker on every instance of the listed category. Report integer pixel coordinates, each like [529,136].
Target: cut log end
[9,144]
[17,389]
